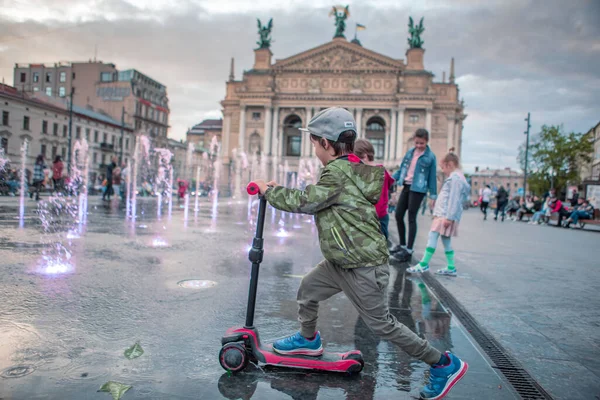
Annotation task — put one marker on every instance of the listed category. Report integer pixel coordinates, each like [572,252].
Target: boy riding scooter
[355,250]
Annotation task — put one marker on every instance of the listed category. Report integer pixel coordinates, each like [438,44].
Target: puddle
[196,284]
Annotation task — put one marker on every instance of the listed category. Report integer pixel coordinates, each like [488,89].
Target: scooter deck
[335,362]
[348,362]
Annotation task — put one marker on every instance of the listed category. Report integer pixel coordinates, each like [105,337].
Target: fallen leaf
[134,351]
[116,389]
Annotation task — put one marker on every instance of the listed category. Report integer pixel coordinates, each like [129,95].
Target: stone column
[428,112]
[242,135]
[450,137]
[359,128]
[267,131]
[457,135]
[275,131]
[226,135]
[400,135]
[305,139]
[390,142]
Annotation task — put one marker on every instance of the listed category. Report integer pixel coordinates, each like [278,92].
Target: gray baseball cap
[330,123]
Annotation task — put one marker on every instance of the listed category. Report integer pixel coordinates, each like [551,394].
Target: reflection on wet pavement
[63,333]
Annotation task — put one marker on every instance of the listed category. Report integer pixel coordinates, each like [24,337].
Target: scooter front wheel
[233,357]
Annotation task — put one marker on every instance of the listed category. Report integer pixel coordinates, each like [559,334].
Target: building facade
[44,123]
[511,180]
[390,99]
[202,134]
[593,171]
[129,96]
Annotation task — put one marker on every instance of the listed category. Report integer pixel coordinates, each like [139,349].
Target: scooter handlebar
[252,189]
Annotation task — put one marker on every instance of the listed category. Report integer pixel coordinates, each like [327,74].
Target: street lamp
[526,153]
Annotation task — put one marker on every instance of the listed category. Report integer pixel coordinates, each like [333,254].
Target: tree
[555,158]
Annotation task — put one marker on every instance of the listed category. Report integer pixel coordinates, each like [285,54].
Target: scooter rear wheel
[233,357]
[356,368]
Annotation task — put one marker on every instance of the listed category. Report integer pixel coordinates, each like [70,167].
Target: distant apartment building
[44,122]
[511,180]
[128,95]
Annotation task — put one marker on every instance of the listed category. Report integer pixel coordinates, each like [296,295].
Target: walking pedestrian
[447,214]
[38,177]
[57,173]
[501,202]
[108,191]
[417,175]
[486,195]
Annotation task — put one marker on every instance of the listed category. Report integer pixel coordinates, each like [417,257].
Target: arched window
[375,134]
[292,136]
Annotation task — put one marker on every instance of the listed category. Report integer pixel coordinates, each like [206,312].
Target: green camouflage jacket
[343,204]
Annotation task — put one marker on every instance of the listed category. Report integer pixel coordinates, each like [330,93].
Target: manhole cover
[17,371]
[196,284]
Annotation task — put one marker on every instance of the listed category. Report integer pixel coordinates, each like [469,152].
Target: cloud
[512,56]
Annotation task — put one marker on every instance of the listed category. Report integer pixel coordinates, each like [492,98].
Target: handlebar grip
[252,189]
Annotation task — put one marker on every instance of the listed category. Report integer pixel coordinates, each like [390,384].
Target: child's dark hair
[363,148]
[344,144]
[422,134]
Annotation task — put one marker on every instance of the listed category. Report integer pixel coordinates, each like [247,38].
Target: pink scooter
[242,344]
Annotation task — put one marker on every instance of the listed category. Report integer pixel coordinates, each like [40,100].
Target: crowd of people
[44,177]
[538,210]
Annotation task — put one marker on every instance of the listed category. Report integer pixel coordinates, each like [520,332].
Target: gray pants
[367,290]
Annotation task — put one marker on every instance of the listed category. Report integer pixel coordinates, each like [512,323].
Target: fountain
[286,174]
[198,170]
[164,178]
[3,159]
[189,171]
[215,149]
[240,165]
[127,178]
[141,152]
[24,149]
[263,167]
[78,182]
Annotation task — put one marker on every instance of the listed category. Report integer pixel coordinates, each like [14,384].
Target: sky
[511,56]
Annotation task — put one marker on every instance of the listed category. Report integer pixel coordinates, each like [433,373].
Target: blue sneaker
[298,344]
[443,378]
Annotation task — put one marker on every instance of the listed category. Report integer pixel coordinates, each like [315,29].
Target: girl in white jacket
[447,213]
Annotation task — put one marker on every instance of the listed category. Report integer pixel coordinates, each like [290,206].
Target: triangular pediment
[339,55]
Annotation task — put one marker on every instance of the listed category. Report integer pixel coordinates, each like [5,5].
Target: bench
[595,221]
[582,222]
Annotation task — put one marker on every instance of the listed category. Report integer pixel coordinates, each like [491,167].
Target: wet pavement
[174,287]
[536,289]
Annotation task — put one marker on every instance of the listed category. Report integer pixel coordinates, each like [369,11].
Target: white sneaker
[417,269]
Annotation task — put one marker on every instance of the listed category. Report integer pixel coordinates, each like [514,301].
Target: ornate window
[375,134]
[293,138]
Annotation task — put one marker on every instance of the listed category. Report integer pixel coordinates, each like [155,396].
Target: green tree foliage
[555,158]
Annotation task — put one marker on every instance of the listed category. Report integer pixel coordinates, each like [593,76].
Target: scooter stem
[255,255]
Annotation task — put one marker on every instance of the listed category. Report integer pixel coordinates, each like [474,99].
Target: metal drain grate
[514,373]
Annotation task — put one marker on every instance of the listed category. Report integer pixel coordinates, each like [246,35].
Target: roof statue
[265,34]
[341,14]
[415,41]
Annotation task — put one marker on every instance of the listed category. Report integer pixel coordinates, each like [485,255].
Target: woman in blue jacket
[417,175]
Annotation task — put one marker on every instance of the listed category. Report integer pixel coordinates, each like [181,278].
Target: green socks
[425,299]
[427,256]
[450,258]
